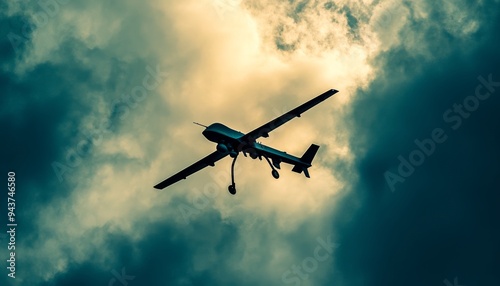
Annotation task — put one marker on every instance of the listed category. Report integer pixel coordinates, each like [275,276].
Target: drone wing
[264,130]
[207,161]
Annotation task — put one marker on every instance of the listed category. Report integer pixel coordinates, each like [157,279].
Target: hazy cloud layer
[97,104]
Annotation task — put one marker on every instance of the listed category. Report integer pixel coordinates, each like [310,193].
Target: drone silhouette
[231,142]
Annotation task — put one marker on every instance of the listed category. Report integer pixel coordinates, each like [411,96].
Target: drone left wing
[207,161]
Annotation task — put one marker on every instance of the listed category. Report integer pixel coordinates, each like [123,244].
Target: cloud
[73,98]
[433,227]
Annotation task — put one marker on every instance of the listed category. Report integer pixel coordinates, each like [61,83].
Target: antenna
[200,124]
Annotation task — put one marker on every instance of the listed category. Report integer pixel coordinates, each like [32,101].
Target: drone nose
[210,135]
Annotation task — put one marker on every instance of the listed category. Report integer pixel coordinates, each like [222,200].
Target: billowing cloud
[99,99]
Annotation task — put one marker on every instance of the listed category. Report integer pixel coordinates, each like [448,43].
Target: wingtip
[159,186]
[329,93]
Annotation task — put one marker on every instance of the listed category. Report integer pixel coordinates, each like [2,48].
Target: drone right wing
[264,130]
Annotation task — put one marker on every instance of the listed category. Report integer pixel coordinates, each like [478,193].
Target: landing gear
[275,173]
[232,188]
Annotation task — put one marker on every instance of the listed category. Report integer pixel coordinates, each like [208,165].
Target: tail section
[306,160]
[309,154]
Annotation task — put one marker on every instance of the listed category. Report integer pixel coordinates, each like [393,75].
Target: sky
[97,104]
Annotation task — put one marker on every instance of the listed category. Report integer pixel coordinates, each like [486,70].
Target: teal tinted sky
[97,100]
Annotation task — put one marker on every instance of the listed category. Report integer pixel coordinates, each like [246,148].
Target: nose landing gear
[232,188]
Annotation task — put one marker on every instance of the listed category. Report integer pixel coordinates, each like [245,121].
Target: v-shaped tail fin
[306,160]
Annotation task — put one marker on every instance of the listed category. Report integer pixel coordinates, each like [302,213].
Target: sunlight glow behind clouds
[242,67]
[230,71]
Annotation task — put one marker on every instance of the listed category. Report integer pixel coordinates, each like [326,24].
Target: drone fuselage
[227,139]
[218,133]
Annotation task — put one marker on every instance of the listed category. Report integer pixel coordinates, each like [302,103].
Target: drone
[231,142]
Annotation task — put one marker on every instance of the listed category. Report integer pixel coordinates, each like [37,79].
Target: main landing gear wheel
[275,174]
[232,189]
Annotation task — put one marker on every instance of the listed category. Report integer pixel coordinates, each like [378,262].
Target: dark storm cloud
[38,104]
[41,112]
[165,256]
[440,223]
[32,107]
